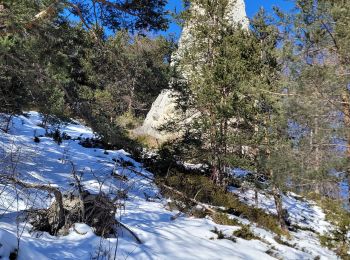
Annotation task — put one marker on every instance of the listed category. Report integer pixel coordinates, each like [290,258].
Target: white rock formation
[237,13]
[164,107]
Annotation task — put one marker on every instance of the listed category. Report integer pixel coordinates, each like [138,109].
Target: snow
[240,173]
[162,238]
[303,213]
[306,215]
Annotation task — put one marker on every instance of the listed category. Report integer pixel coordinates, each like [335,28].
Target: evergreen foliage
[59,67]
[234,74]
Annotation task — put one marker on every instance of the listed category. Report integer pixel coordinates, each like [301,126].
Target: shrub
[337,239]
[279,240]
[201,188]
[129,121]
[147,141]
[13,255]
[57,136]
[218,232]
[65,136]
[223,219]
[198,213]
[245,233]
[99,213]
[221,235]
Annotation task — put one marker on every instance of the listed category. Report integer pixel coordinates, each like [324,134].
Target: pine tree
[215,67]
[96,16]
[66,68]
[270,137]
[318,92]
[231,72]
[338,30]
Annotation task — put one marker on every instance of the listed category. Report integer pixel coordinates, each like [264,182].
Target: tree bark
[279,207]
[346,112]
[8,122]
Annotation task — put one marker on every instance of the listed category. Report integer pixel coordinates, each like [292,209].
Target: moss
[313,196]
[326,240]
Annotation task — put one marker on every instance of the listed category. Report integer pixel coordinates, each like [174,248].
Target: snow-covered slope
[162,238]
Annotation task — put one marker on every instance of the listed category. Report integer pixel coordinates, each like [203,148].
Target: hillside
[164,234]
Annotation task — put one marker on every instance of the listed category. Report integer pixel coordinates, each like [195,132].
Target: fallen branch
[96,205]
[138,240]
[52,190]
[78,232]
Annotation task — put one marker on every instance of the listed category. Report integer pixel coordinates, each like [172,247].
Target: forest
[119,139]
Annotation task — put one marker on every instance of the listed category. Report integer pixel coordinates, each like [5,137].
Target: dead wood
[138,240]
[66,210]
[57,219]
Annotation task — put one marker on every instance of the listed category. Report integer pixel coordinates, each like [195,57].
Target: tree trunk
[215,174]
[256,197]
[316,145]
[346,112]
[279,207]
[131,98]
[8,122]
[45,121]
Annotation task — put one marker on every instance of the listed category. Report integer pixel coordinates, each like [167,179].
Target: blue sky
[252,6]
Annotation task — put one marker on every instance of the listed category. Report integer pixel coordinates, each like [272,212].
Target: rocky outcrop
[164,107]
[237,13]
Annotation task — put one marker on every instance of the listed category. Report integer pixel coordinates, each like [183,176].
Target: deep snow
[162,238]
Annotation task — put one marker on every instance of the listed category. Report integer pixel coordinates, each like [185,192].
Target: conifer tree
[231,73]
[318,91]
[63,67]
[338,30]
